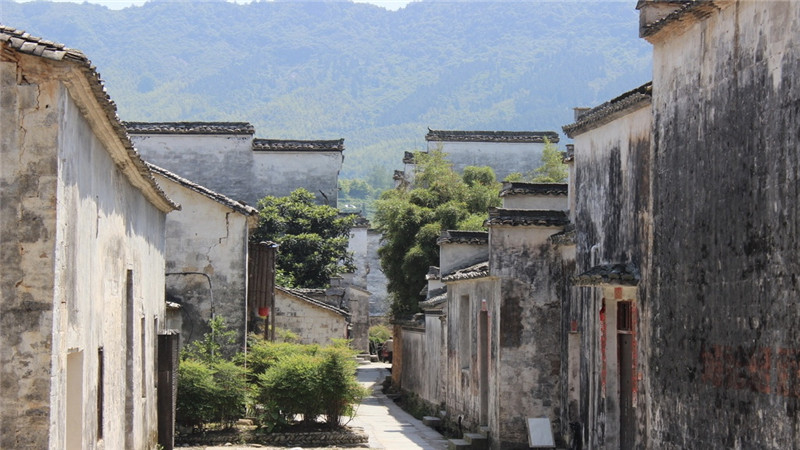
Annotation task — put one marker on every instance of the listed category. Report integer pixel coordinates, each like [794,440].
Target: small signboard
[540,433]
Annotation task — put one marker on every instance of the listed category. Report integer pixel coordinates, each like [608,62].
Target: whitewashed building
[82,226]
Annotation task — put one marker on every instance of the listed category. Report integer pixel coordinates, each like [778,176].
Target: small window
[624,316]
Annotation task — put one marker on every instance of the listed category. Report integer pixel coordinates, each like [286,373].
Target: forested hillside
[377,78]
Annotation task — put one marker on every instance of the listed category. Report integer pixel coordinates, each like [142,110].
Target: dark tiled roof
[189,127]
[609,274]
[525,217]
[408,158]
[23,42]
[610,110]
[435,303]
[519,188]
[565,237]
[217,197]
[492,136]
[479,270]
[433,273]
[463,237]
[690,10]
[300,293]
[399,175]
[276,145]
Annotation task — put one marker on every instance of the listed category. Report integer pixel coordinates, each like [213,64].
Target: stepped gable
[479,270]
[537,137]
[189,127]
[463,237]
[520,188]
[279,145]
[217,197]
[526,217]
[615,274]
[23,42]
[408,158]
[610,110]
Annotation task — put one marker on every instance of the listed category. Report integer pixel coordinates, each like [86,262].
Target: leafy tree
[552,170]
[312,238]
[412,218]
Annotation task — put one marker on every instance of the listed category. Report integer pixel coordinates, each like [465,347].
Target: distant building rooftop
[189,127]
[492,136]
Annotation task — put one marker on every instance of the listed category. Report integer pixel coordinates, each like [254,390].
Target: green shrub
[262,354]
[339,388]
[290,387]
[378,334]
[197,391]
[231,393]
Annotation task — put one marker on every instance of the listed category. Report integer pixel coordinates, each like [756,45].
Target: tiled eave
[217,197]
[298,293]
[480,270]
[691,11]
[525,217]
[610,110]
[107,122]
[520,188]
[537,137]
[408,158]
[204,128]
[609,275]
[463,237]
[566,237]
[277,145]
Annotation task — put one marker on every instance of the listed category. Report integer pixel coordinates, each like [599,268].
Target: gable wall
[314,324]
[208,237]
[84,229]
[724,296]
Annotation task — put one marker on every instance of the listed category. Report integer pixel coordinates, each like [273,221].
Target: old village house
[82,245]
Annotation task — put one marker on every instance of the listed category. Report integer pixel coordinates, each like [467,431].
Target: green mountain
[377,78]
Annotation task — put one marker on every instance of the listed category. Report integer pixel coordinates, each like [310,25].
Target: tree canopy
[312,238]
[552,170]
[411,219]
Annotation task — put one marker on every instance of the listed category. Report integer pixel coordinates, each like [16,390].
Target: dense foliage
[378,78]
[312,238]
[279,383]
[411,219]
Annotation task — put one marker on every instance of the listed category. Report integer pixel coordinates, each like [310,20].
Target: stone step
[477,441]
[458,444]
[431,421]
[484,430]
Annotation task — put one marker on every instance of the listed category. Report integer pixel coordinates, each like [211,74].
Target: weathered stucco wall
[462,383]
[280,173]
[208,237]
[541,202]
[724,322]
[527,325]
[612,226]
[226,163]
[314,324]
[376,279]
[83,270]
[222,163]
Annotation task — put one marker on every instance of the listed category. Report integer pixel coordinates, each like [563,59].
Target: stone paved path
[388,426]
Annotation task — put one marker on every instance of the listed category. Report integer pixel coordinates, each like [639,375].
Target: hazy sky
[119,4]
